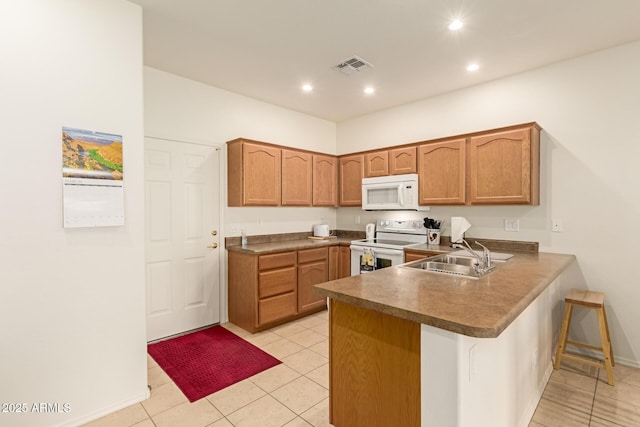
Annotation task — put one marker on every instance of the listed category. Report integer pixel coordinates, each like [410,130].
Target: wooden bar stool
[593,300]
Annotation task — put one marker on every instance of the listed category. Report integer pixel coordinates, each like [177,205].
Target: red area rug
[203,362]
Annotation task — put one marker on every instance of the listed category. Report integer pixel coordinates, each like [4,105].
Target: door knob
[213,245]
[214,233]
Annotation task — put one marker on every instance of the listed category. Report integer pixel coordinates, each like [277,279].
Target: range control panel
[411,226]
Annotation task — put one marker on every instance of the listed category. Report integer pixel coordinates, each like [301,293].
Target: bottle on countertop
[244,239]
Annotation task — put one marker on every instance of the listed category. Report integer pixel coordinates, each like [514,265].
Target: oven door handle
[379,251]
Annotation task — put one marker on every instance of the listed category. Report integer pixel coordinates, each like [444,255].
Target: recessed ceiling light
[455,25]
[307,88]
[472,67]
[369,90]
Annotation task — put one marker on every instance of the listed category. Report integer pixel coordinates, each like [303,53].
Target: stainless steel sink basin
[447,264]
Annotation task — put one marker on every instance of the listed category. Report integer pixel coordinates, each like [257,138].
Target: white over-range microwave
[391,193]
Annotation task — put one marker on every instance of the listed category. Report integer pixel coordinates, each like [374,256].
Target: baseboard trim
[108,410]
[598,356]
[528,416]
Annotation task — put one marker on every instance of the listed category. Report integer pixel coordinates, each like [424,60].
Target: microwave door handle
[400,196]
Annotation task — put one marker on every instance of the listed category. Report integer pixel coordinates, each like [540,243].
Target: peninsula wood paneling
[374,368]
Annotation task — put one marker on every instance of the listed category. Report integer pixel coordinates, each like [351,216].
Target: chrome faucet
[484,262]
[486,255]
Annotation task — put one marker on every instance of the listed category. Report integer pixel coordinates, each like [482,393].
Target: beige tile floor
[295,393]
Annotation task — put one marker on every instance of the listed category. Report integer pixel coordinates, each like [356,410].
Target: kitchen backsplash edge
[494,245]
[284,237]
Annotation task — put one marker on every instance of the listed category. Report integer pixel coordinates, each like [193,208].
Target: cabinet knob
[214,233]
[213,246]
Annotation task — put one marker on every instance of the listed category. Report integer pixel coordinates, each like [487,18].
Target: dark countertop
[289,245]
[475,307]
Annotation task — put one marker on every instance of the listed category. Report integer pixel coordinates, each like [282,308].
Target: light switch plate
[511,224]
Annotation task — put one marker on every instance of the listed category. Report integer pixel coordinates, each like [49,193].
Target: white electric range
[387,248]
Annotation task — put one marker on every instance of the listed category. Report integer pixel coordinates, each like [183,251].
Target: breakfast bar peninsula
[409,347]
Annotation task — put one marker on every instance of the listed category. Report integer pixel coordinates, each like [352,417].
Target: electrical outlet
[556,225]
[357,219]
[511,224]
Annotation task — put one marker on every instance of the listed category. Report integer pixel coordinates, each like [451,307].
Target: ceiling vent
[353,64]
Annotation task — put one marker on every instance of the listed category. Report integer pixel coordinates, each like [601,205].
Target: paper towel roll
[458,226]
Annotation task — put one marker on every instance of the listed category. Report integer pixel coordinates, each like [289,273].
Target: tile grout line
[593,401]
[256,385]
[150,418]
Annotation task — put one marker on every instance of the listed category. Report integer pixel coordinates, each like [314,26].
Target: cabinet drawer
[276,308]
[276,282]
[284,259]
[413,256]
[308,255]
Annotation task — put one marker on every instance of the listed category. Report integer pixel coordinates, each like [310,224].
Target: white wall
[590,146]
[482,382]
[185,110]
[72,301]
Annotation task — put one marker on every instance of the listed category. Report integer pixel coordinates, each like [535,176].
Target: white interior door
[182,239]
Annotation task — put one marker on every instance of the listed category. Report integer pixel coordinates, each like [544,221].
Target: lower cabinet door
[309,275]
[276,308]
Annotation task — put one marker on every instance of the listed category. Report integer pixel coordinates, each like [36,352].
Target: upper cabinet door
[376,164]
[441,172]
[325,180]
[351,173]
[402,160]
[296,178]
[504,167]
[261,167]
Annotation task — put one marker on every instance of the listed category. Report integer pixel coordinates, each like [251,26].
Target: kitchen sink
[447,264]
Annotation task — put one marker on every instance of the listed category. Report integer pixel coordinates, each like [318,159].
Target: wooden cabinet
[313,268]
[253,177]
[334,262]
[395,161]
[441,172]
[504,167]
[277,279]
[266,290]
[262,289]
[262,174]
[495,167]
[325,180]
[374,357]
[351,170]
[376,164]
[402,160]
[345,262]
[339,262]
[296,178]
[415,255]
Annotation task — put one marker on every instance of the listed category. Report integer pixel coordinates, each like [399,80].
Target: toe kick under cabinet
[266,290]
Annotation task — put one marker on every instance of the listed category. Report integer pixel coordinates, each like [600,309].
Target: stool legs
[606,344]
[606,327]
[605,338]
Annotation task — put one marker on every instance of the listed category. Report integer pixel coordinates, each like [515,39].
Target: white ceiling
[267,49]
